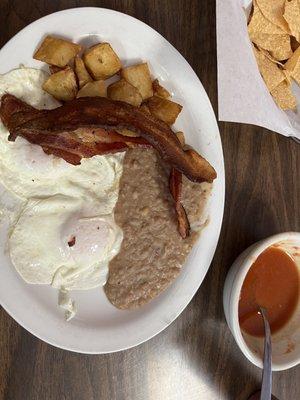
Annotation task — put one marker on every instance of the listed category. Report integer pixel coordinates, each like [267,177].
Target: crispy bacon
[98,112]
[71,146]
[10,106]
[85,127]
[175,184]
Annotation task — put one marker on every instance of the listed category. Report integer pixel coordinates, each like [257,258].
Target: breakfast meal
[274,29]
[99,189]
[272,283]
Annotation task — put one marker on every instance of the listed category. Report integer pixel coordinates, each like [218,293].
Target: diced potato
[56,51]
[164,109]
[53,69]
[101,61]
[124,91]
[181,138]
[93,89]
[127,132]
[82,74]
[62,85]
[139,76]
[159,90]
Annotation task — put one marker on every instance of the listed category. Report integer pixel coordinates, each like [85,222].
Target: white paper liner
[242,94]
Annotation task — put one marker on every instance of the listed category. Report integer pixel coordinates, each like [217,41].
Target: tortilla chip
[284,97]
[268,55]
[292,17]
[293,66]
[260,24]
[273,10]
[279,46]
[270,71]
[288,76]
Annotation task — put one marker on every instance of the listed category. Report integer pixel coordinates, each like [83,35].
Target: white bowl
[285,342]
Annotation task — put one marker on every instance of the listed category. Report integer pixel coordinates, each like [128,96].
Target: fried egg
[62,230]
[27,171]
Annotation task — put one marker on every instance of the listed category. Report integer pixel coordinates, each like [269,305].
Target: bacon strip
[72,145]
[175,184]
[99,112]
[73,133]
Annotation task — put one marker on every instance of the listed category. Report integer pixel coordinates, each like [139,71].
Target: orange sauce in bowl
[273,283]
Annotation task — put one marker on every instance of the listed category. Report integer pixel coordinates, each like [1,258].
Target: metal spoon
[266,387]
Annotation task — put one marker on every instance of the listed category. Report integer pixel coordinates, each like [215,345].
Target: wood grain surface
[196,357]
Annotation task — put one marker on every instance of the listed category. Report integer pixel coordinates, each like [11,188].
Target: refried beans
[152,251]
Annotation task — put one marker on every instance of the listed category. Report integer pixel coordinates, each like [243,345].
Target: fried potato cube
[82,74]
[139,76]
[159,90]
[181,138]
[56,51]
[124,91]
[101,61]
[62,85]
[93,89]
[164,109]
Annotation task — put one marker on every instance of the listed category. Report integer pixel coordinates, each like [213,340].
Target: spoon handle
[266,388]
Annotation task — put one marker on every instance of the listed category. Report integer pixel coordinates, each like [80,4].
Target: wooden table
[196,357]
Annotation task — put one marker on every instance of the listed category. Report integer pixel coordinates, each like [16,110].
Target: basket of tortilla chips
[259,63]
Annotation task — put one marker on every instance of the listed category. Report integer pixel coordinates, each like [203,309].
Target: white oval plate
[99,327]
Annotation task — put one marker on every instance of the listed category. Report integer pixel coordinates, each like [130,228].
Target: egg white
[49,200]
[27,171]
[39,243]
